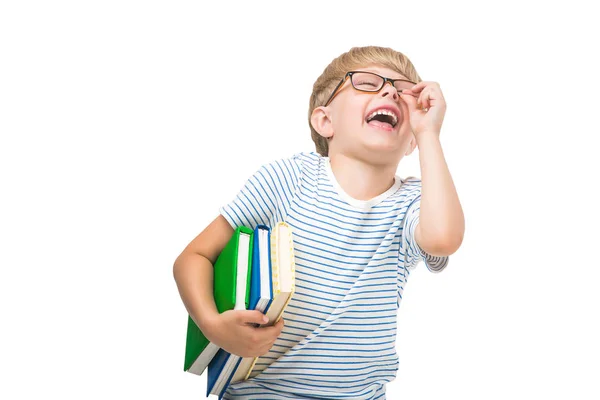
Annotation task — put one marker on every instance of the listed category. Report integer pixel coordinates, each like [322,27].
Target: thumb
[254,317]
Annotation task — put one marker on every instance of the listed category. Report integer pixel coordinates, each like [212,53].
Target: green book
[231,282]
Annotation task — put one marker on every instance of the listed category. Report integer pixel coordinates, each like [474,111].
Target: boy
[358,231]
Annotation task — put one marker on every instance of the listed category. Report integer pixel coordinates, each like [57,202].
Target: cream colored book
[283,273]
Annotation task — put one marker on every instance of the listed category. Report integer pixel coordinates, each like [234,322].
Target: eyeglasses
[370,82]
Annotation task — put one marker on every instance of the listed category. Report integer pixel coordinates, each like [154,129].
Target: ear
[411,146]
[320,119]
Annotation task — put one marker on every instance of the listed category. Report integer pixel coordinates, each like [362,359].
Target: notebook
[224,366]
[232,271]
[283,272]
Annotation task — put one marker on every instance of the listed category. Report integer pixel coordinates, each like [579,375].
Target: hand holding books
[254,275]
[275,292]
[235,331]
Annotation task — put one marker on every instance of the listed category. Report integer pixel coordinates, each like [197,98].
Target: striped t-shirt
[352,262]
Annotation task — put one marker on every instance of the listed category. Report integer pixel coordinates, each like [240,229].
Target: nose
[389,89]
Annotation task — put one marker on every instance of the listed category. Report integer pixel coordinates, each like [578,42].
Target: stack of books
[255,271]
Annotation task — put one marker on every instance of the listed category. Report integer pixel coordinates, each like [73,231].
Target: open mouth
[383,118]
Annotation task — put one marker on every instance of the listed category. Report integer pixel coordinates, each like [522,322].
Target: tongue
[380,124]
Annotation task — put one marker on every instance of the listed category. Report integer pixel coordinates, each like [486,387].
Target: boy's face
[359,127]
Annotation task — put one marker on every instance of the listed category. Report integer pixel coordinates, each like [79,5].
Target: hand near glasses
[426,107]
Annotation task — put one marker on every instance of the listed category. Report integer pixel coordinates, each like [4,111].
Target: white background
[125,125]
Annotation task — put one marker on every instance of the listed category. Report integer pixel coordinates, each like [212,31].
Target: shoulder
[299,160]
[308,159]
[305,164]
[288,171]
[411,182]
[410,190]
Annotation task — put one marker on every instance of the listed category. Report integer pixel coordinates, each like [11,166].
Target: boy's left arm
[441,226]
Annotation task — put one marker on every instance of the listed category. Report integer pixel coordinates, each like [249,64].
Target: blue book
[220,371]
[261,281]
[226,368]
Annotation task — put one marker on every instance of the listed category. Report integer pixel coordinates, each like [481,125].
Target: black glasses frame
[349,75]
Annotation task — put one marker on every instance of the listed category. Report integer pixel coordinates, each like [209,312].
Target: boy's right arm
[193,273]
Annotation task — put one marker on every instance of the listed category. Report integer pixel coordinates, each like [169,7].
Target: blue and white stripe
[352,262]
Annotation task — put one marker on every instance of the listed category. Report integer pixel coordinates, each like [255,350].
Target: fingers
[409,98]
[419,86]
[427,94]
[252,317]
[424,97]
[421,101]
[274,330]
[270,334]
[279,325]
[263,338]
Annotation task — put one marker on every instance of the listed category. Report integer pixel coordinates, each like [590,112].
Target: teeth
[383,112]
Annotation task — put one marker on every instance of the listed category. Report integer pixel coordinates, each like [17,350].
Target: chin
[385,144]
[380,153]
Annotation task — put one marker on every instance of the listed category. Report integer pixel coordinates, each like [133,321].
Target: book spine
[274,262]
[275,276]
[292,267]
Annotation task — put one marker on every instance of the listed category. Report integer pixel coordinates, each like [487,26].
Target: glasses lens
[401,85]
[366,81]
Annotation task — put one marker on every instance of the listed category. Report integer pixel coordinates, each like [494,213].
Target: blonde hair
[355,58]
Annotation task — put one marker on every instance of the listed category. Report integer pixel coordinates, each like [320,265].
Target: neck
[360,179]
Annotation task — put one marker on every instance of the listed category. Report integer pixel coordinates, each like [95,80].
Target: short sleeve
[411,250]
[266,196]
